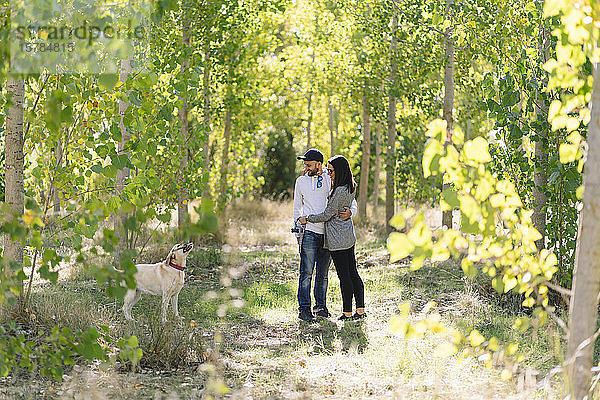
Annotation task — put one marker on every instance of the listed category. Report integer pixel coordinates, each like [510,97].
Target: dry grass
[255,224]
[265,353]
[258,223]
[281,358]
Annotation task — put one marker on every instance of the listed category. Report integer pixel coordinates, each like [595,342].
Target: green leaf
[206,205]
[449,199]
[568,152]
[510,98]
[554,7]
[50,255]
[102,151]
[476,150]
[66,114]
[399,245]
[120,161]
[110,171]
[431,158]
[437,129]
[132,341]
[108,81]
[52,120]
[498,285]
[397,221]
[134,98]
[476,338]
[115,132]
[165,217]
[207,223]
[493,106]
[117,292]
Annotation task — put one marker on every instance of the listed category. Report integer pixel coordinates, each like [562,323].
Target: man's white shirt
[310,199]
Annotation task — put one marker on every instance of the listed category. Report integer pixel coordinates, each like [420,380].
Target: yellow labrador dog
[161,279]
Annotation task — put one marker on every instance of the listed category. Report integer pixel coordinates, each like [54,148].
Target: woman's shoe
[359,316]
[344,317]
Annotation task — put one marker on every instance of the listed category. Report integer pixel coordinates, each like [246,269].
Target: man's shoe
[307,316]
[359,316]
[323,314]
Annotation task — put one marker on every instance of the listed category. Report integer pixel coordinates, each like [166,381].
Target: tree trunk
[332,137]
[448,99]
[363,191]
[377,171]
[336,123]
[122,174]
[390,174]
[469,127]
[309,109]
[13,150]
[182,203]
[225,158]
[206,122]
[586,278]
[309,120]
[540,179]
[55,193]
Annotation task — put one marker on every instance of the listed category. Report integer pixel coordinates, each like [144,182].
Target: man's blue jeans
[312,253]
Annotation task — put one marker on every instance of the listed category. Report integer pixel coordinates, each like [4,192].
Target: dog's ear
[170,256]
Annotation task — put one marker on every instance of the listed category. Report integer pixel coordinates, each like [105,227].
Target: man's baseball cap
[312,155]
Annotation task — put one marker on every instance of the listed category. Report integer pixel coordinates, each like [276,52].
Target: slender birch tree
[206,119]
[377,170]
[182,204]
[13,148]
[586,279]
[123,173]
[540,176]
[309,106]
[225,157]
[331,124]
[448,96]
[363,191]
[390,176]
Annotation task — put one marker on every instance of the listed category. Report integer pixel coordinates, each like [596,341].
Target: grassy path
[239,305]
[271,354]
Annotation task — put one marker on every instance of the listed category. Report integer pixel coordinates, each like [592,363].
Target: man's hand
[345,214]
[302,220]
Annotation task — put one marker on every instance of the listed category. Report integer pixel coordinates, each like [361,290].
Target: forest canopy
[123,119]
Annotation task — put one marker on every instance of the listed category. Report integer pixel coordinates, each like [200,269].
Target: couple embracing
[324,203]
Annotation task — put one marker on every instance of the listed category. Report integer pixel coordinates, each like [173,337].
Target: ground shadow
[320,335]
[353,337]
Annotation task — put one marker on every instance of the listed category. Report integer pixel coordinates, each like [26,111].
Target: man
[310,197]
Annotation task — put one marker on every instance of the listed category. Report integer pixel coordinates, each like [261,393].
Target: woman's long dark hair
[343,174]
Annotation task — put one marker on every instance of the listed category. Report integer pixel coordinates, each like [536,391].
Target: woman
[340,238]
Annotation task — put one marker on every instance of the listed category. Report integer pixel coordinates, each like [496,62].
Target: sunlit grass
[271,354]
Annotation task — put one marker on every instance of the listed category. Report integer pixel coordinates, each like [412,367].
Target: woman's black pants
[350,282]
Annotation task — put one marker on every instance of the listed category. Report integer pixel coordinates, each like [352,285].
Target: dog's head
[179,252]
